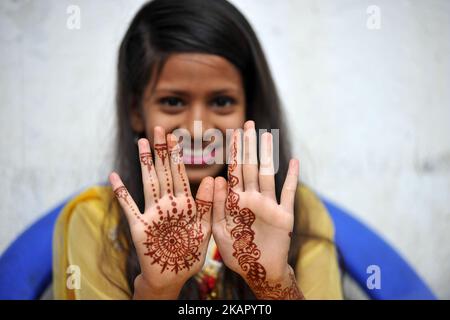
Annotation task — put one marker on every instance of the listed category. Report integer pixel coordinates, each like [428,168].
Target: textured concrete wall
[368,104]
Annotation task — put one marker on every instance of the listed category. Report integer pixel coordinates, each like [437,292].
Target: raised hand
[172,234]
[251,229]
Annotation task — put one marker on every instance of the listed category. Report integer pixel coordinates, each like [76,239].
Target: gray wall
[368,108]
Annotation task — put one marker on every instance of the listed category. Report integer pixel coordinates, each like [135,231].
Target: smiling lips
[198,156]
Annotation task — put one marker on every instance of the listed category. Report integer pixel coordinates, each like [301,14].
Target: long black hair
[164,27]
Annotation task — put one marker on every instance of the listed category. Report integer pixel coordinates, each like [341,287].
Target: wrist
[145,290]
[282,286]
[280,274]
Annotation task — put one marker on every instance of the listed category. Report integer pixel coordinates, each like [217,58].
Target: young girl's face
[194,87]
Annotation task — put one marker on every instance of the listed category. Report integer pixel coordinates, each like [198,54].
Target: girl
[248,232]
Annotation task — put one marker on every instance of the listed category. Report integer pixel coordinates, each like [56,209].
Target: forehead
[198,71]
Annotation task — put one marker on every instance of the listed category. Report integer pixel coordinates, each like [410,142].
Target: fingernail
[293,166]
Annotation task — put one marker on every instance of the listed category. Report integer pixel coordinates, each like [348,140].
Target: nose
[197,121]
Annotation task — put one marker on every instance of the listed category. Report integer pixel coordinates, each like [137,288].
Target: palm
[251,229]
[242,227]
[172,234]
[174,240]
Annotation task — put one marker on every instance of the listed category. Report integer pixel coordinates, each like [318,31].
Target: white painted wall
[369,109]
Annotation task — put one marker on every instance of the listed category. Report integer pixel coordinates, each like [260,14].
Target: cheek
[232,121]
[154,118]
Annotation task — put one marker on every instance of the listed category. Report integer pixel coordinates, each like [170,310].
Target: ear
[136,119]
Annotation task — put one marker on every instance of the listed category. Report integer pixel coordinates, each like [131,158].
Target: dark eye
[171,102]
[223,101]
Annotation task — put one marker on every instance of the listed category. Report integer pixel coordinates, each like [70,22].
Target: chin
[196,173]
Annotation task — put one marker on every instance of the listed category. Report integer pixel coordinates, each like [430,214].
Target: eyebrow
[187,93]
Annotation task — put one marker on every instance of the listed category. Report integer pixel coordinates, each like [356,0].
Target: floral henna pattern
[203,207]
[146,160]
[161,150]
[173,242]
[245,250]
[176,154]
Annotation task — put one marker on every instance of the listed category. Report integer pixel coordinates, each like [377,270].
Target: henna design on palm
[203,207]
[245,249]
[173,240]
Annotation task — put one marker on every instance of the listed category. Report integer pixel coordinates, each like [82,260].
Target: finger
[204,199]
[180,179]
[290,186]
[162,162]
[235,162]
[127,203]
[149,177]
[266,168]
[220,195]
[250,161]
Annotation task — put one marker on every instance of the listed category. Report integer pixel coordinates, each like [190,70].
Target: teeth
[196,156]
[193,153]
[198,153]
